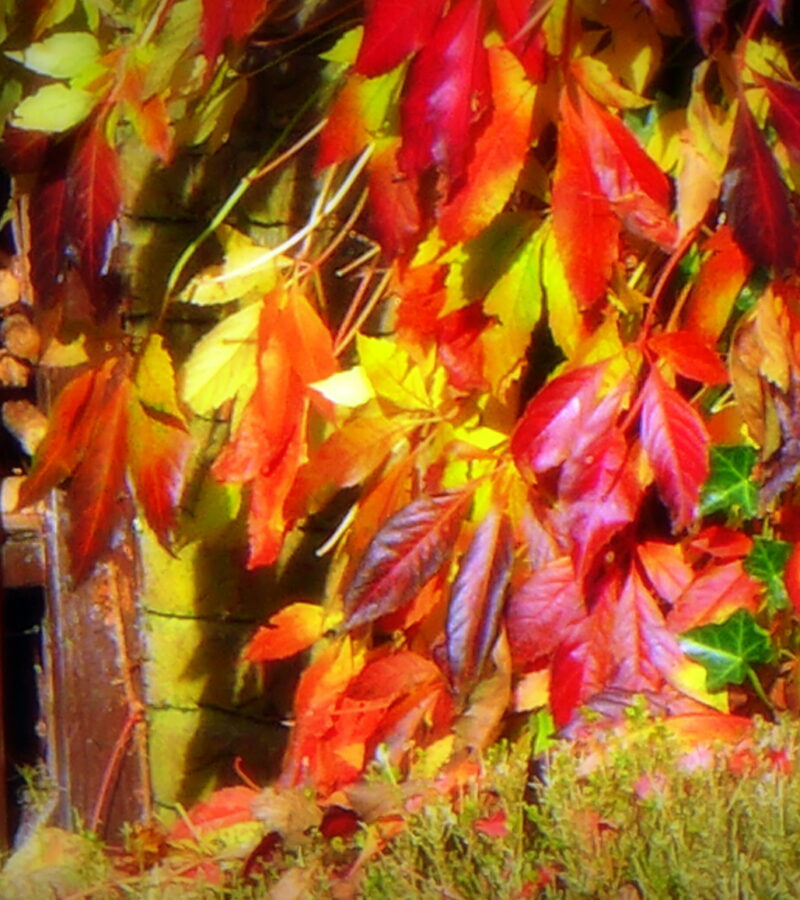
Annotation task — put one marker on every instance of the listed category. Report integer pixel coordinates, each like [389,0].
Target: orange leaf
[225,807]
[98,484]
[500,152]
[714,595]
[290,631]
[690,355]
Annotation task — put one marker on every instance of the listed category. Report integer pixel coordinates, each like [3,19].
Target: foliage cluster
[561,394]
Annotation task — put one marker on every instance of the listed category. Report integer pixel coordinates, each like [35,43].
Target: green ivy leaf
[729,486]
[767,562]
[728,650]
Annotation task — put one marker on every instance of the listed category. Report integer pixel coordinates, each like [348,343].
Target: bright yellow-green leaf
[53,108]
[213,285]
[155,378]
[595,76]
[393,374]
[344,51]
[664,146]
[563,317]
[631,48]
[223,363]
[54,12]
[62,55]
[349,388]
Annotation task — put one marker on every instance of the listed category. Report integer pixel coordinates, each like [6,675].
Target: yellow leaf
[393,374]
[223,363]
[214,285]
[532,690]
[596,78]
[563,317]
[349,388]
[155,378]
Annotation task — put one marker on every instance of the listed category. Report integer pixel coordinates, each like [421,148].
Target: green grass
[621,814]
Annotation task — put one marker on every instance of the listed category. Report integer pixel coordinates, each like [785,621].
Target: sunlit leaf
[223,19]
[61,55]
[729,650]
[54,108]
[393,31]
[713,595]
[291,630]
[784,101]
[690,356]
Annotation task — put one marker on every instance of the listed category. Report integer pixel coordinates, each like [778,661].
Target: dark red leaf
[393,30]
[49,225]
[784,102]
[22,150]
[756,199]
[542,610]
[408,550]
[580,207]
[476,600]
[447,94]
[676,442]
[94,203]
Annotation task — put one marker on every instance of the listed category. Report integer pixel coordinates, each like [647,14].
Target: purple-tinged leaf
[756,199]
[476,600]
[408,550]
[676,442]
[706,15]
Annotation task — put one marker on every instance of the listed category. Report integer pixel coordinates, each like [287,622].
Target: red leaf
[393,203]
[722,543]
[49,225]
[500,152]
[476,600]
[228,18]
[668,572]
[755,197]
[546,434]
[542,611]
[580,207]
[646,652]
[690,355]
[599,498]
[94,203]
[792,577]
[713,596]
[447,94]
[637,189]
[527,43]
[676,442]
[784,102]
[494,826]
[225,807]
[394,30]
[23,151]
[98,484]
[408,550]
[158,450]
[71,422]
[460,348]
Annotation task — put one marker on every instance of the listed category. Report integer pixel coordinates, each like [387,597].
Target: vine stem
[666,273]
[268,163]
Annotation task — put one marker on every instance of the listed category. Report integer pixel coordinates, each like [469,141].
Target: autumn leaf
[447,95]
[666,569]
[676,442]
[542,609]
[713,595]
[393,31]
[756,199]
[476,600]
[49,217]
[291,630]
[706,15]
[690,356]
[579,205]
[93,205]
[223,19]
[527,44]
[500,151]
[394,209]
[407,550]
